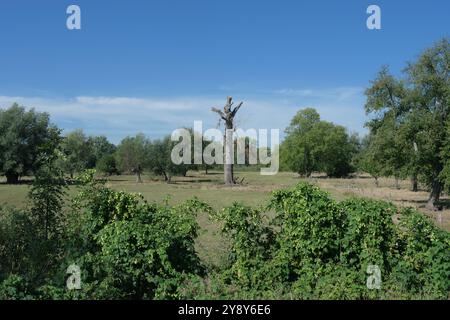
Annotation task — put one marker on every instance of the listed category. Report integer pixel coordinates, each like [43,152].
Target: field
[255,190]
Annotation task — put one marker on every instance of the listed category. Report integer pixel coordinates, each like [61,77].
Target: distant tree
[161,162]
[297,148]
[108,165]
[76,153]
[315,145]
[100,147]
[133,155]
[23,136]
[367,159]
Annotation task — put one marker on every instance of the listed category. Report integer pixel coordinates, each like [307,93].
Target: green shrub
[130,249]
[370,234]
[251,244]
[310,225]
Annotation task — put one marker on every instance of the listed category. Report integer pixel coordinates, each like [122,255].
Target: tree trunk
[206,170]
[397,185]
[138,177]
[414,184]
[433,200]
[377,183]
[12,178]
[228,115]
[228,165]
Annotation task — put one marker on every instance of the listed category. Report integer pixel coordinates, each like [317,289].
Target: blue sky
[153,66]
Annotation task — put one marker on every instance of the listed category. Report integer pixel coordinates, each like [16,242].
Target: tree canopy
[312,145]
[411,118]
[24,135]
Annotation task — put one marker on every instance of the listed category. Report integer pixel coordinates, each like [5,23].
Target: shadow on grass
[21,182]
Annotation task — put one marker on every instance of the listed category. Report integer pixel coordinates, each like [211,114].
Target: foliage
[315,145]
[16,239]
[315,248]
[129,248]
[75,153]
[160,162]
[22,135]
[251,241]
[311,226]
[410,118]
[133,155]
[108,165]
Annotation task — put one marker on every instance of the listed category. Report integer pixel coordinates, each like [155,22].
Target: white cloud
[117,117]
[337,94]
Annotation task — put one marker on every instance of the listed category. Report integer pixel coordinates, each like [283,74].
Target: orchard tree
[315,145]
[24,136]
[429,77]
[108,165]
[100,147]
[160,161]
[417,109]
[76,153]
[387,98]
[296,150]
[367,158]
[133,155]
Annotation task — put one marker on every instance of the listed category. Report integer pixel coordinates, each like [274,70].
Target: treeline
[27,135]
[409,130]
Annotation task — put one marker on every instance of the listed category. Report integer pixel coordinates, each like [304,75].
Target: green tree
[315,145]
[100,147]
[76,152]
[412,117]
[22,136]
[133,155]
[367,159]
[161,161]
[108,164]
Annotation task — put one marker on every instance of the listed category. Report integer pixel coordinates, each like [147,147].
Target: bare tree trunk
[435,194]
[228,115]
[228,164]
[397,185]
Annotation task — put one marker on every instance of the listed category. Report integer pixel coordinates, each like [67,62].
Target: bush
[316,248]
[131,249]
[16,237]
[311,225]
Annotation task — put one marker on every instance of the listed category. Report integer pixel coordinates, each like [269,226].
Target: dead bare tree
[228,114]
